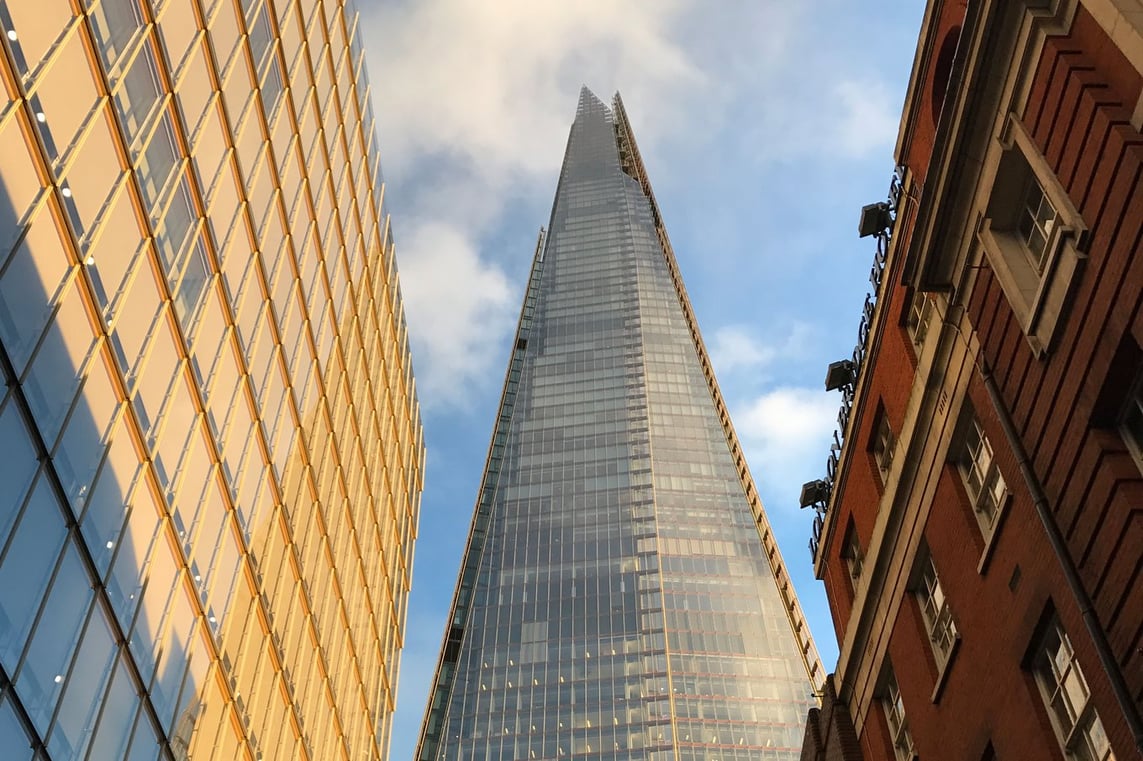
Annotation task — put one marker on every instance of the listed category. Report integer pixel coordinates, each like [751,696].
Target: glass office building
[621,596]
[211,446]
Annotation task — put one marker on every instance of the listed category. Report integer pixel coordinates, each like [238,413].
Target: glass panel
[145,743]
[118,714]
[19,181]
[55,371]
[177,223]
[26,568]
[137,319]
[139,92]
[190,289]
[31,287]
[93,173]
[53,644]
[65,95]
[115,23]
[178,26]
[17,466]
[33,29]
[82,698]
[114,252]
[107,504]
[157,161]
[174,657]
[13,738]
[86,436]
[125,582]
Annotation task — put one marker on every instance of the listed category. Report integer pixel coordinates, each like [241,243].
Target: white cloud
[735,347]
[868,120]
[474,101]
[786,433]
[460,309]
[741,347]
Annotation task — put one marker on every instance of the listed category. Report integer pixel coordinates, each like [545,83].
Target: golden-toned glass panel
[33,29]
[63,96]
[194,90]
[178,27]
[94,171]
[18,175]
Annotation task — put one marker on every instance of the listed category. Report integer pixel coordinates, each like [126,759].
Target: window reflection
[40,679]
[85,685]
[115,22]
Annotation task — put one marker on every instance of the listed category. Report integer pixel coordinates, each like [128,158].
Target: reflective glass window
[106,506]
[174,657]
[33,28]
[113,253]
[176,225]
[136,320]
[192,286]
[93,173]
[224,32]
[83,695]
[145,742]
[194,87]
[59,361]
[30,288]
[64,95]
[26,568]
[17,466]
[13,738]
[209,150]
[139,92]
[115,22]
[19,177]
[86,435]
[157,160]
[119,708]
[52,645]
[178,27]
[125,582]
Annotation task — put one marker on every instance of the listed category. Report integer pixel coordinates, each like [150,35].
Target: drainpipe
[1060,548]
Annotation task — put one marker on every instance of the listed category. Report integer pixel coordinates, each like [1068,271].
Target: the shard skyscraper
[621,596]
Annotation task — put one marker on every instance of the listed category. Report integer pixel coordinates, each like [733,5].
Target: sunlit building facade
[211,446]
[621,596]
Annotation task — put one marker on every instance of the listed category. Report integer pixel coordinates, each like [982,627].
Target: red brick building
[981,529]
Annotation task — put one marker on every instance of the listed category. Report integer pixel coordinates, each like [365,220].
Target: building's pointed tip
[586,96]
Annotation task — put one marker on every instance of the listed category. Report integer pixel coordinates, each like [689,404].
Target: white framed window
[935,610]
[1036,219]
[1031,234]
[883,446]
[1066,694]
[920,314]
[903,749]
[982,478]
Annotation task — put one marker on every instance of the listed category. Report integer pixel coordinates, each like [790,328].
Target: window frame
[918,318]
[991,487]
[896,719]
[936,612]
[1037,287]
[1066,681]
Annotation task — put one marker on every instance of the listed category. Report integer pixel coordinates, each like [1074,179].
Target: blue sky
[764,126]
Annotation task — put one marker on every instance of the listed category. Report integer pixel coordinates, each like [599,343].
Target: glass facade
[616,600]
[211,446]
